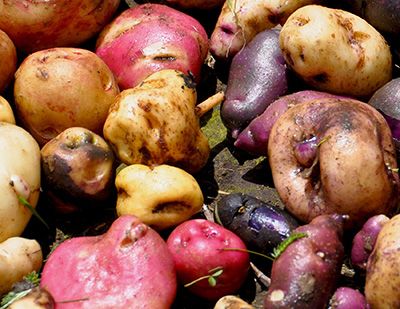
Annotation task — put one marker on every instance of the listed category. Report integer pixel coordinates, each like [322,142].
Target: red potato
[129,266]
[8,60]
[151,37]
[197,248]
[305,274]
[348,298]
[36,25]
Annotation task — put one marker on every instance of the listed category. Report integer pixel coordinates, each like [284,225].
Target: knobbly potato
[336,51]
[161,197]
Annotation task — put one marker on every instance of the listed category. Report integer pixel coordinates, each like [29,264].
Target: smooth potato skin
[336,51]
[59,88]
[6,112]
[54,23]
[383,277]
[8,60]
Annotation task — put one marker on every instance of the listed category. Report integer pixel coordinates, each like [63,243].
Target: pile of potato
[102,108]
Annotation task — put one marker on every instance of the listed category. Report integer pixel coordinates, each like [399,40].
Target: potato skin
[305,274]
[8,60]
[6,112]
[336,51]
[382,277]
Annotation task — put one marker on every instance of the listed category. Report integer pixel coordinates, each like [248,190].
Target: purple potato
[348,298]
[257,77]
[364,240]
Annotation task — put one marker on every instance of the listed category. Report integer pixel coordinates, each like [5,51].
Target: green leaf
[217,273]
[60,237]
[284,244]
[212,281]
[24,202]
[33,277]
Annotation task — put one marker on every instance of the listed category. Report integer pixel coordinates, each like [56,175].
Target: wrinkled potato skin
[18,257]
[52,23]
[19,175]
[382,277]
[59,88]
[160,197]
[237,26]
[336,51]
[155,123]
[352,174]
[8,60]
[6,112]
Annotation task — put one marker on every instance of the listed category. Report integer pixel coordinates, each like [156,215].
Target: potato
[38,298]
[59,88]
[18,257]
[129,266]
[19,177]
[53,23]
[232,302]
[196,4]
[6,112]
[347,298]
[8,60]
[382,277]
[336,51]
[161,197]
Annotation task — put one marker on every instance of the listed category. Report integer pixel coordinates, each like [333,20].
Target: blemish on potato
[277,295]
[42,74]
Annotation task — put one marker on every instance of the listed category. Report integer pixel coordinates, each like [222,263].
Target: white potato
[336,51]
[19,176]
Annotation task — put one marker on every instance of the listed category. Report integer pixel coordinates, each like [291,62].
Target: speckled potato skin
[336,51]
[36,25]
[383,277]
[8,60]
[155,123]
[161,197]
[353,169]
[59,88]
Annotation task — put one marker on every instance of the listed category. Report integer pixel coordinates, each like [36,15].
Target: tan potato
[383,268]
[8,60]
[161,197]
[6,112]
[155,123]
[336,51]
[59,88]
[232,302]
[18,257]
[38,298]
[19,176]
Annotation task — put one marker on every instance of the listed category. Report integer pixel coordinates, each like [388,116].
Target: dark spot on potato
[320,78]
[168,58]
[42,74]
[301,21]
[227,28]
[146,154]
[146,106]
[175,207]
[189,80]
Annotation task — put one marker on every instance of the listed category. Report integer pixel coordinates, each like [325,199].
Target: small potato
[336,51]
[38,298]
[18,257]
[383,276]
[8,60]
[161,197]
[232,302]
[6,112]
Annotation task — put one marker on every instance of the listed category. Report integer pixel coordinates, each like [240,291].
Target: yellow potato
[8,60]
[161,197]
[19,176]
[336,51]
[6,112]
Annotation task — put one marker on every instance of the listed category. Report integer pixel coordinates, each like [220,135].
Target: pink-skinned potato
[36,25]
[198,247]
[129,266]
[8,60]
[151,37]
[305,274]
[59,88]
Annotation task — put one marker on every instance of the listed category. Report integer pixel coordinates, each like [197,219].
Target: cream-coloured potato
[383,268]
[161,197]
[6,112]
[19,176]
[18,257]
[59,88]
[336,51]
[8,60]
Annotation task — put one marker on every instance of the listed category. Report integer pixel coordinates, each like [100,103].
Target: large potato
[59,88]
[8,60]
[383,268]
[36,25]
[336,51]
[19,176]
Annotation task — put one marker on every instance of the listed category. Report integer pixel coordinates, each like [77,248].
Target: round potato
[8,60]
[59,88]
[336,51]
[6,112]
[19,178]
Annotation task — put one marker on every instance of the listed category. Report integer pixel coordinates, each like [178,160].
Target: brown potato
[6,112]
[59,88]
[8,60]
[336,51]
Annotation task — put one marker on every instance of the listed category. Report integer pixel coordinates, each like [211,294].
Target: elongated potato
[383,277]
[19,176]
[336,51]
[18,257]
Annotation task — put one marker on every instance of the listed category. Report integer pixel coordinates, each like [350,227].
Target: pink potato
[36,25]
[129,266]
[197,246]
[150,37]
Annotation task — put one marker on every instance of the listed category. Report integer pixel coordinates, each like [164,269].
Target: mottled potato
[383,278]
[336,51]
[161,197]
